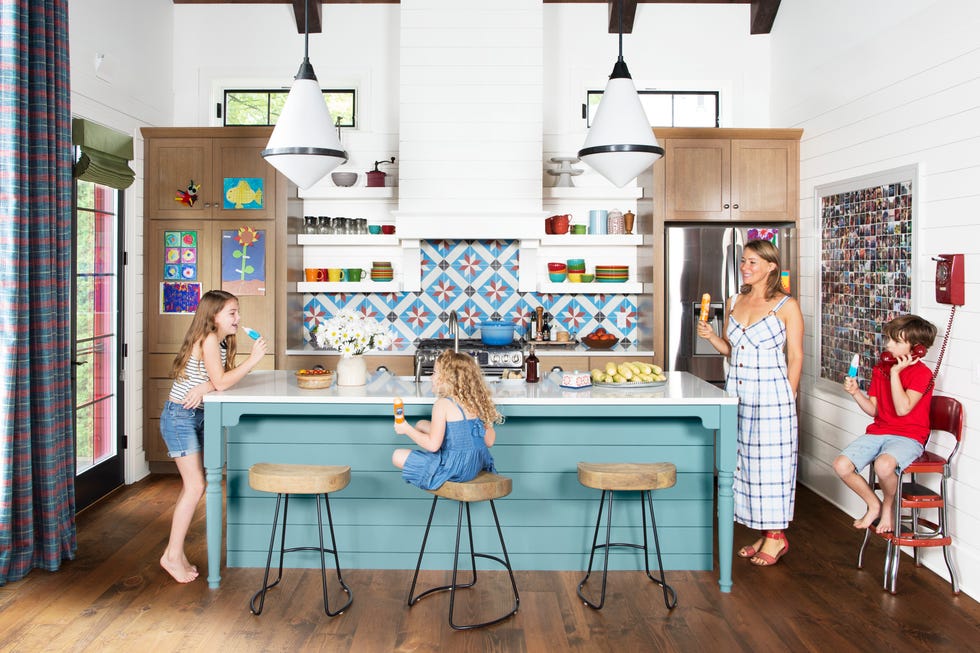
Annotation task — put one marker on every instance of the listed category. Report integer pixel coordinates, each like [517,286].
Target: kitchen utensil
[497,332]
[314,379]
[575,264]
[335,274]
[316,274]
[388,229]
[344,179]
[587,278]
[599,343]
[557,277]
[376,178]
[628,218]
[597,221]
[374,228]
[579,229]
[557,267]
[353,274]
[575,277]
[559,224]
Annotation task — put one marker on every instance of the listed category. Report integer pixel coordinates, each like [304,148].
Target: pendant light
[304,145]
[620,144]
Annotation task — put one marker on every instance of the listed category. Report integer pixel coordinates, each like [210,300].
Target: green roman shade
[105,154]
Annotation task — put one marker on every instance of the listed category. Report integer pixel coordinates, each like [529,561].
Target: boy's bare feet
[181,572]
[869,518]
[887,522]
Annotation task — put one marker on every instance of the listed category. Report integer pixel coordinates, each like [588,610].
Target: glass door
[97,342]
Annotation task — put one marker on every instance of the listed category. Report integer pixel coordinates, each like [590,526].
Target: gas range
[492,359]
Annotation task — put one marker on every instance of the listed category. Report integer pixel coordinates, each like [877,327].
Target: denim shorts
[182,429]
[866,448]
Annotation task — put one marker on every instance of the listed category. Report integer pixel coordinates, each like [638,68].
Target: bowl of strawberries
[600,339]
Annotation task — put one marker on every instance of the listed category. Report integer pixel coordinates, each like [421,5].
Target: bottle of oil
[531,368]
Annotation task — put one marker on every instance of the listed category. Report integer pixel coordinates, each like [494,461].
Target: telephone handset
[888,359]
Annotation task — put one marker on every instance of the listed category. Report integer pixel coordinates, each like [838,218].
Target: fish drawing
[243,194]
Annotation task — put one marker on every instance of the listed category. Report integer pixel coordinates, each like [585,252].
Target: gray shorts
[867,448]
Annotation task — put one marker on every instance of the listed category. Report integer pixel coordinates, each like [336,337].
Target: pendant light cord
[306,32]
[620,5]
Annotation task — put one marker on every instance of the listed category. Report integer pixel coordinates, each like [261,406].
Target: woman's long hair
[462,379]
[770,254]
[201,326]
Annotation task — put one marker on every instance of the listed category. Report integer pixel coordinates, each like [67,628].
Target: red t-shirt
[915,425]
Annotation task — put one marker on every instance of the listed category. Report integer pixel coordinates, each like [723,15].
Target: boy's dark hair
[912,329]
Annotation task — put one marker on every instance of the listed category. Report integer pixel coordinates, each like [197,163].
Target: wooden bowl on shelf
[314,379]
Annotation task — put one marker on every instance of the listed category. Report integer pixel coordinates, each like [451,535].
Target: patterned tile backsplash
[477,279]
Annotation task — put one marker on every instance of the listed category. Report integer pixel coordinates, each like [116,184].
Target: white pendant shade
[304,144]
[620,144]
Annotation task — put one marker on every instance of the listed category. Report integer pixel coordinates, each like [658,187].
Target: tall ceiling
[762,16]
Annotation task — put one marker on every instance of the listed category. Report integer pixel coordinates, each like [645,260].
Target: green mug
[353,274]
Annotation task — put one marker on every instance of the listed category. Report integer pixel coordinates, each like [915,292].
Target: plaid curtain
[37,452]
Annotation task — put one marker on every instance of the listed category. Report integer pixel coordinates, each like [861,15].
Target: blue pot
[497,333]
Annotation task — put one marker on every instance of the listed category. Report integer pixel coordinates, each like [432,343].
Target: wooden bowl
[598,343]
[310,380]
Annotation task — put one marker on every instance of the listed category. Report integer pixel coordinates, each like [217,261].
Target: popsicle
[399,410]
[251,333]
[705,304]
[853,370]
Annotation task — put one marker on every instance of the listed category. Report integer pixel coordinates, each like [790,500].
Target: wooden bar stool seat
[485,487]
[286,480]
[619,477]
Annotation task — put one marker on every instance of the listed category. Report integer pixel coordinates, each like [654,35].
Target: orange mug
[559,224]
[316,274]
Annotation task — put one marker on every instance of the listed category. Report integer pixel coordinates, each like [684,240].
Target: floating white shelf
[596,193]
[348,286]
[325,189]
[585,240]
[335,240]
[592,288]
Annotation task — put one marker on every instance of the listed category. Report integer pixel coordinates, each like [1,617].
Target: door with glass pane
[97,342]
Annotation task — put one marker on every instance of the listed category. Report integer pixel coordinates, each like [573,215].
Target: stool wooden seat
[284,480]
[619,477]
[485,487]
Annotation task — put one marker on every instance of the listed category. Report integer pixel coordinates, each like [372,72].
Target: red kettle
[376,178]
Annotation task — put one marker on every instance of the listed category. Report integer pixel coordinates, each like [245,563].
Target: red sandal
[767,560]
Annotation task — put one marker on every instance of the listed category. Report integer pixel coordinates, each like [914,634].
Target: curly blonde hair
[461,379]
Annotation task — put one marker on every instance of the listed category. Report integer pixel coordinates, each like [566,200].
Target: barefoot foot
[180,572]
[869,518]
[887,522]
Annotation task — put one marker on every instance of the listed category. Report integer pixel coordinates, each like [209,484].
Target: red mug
[549,225]
[559,223]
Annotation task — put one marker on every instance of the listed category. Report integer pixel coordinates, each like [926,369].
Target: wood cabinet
[744,175]
[208,156]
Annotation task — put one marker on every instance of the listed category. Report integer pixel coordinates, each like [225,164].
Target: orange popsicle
[705,302]
[399,410]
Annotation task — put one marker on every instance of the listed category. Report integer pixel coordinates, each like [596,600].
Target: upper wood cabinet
[172,163]
[748,175]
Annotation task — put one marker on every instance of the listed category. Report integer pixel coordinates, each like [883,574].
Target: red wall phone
[888,359]
[949,279]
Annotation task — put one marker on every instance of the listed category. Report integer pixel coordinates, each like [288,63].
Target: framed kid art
[865,249]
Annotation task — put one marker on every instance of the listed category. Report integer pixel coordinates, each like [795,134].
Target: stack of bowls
[382,271]
[612,273]
[557,272]
[576,265]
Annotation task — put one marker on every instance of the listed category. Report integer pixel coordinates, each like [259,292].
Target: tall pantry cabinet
[206,243]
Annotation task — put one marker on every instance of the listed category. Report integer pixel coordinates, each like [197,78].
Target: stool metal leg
[260,595]
[670,602]
[454,584]
[336,559]
[605,564]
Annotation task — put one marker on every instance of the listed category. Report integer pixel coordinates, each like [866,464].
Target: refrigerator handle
[728,247]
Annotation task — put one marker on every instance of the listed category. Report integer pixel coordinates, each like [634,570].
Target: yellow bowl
[575,277]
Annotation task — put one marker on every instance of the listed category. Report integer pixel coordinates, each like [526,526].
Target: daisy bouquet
[352,334]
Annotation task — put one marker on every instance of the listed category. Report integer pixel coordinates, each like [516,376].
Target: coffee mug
[335,274]
[353,274]
[316,274]
[374,228]
[579,228]
[387,228]
[559,224]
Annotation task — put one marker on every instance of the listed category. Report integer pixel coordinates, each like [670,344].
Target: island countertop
[548,518]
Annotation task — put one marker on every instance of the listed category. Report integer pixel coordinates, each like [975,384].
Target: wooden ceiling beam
[299,12]
[629,14]
[763,15]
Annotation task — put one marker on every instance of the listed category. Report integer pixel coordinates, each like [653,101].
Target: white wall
[133,89]
[877,85]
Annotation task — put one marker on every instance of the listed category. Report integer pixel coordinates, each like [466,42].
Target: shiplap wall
[877,85]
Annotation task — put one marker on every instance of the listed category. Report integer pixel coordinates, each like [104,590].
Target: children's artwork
[179,297]
[179,255]
[762,233]
[865,255]
[243,261]
[188,196]
[243,192]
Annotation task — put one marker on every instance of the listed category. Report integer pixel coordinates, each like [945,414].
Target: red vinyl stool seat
[912,529]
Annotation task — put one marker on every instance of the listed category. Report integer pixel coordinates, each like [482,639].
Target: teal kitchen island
[549,518]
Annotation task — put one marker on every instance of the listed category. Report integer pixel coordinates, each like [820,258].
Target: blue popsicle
[255,335]
[853,371]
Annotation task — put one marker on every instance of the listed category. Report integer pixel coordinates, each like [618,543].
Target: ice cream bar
[251,333]
[399,406]
[853,371]
[705,304]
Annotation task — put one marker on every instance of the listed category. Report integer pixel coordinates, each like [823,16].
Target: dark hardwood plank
[115,597]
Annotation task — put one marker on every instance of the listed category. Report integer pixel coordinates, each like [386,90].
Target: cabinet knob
[726,206]
[734,206]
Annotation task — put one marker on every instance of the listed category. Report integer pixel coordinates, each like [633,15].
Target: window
[263,106]
[670,108]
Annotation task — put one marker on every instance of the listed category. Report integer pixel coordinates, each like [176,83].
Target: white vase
[352,371]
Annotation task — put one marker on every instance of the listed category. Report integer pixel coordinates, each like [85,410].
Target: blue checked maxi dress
[768,440]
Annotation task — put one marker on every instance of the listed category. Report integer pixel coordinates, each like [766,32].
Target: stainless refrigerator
[705,259]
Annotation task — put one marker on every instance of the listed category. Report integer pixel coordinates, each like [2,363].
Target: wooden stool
[485,487]
[285,480]
[612,477]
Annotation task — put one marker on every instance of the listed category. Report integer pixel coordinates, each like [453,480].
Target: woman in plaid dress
[764,343]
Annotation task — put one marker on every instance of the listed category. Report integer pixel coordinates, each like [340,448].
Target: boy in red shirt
[898,400]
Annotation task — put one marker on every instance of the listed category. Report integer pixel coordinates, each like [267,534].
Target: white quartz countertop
[280,386]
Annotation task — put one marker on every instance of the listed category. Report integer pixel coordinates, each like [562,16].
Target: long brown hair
[770,254]
[212,302]
[462,379]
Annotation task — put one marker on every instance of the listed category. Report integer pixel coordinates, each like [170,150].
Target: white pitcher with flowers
[352,334]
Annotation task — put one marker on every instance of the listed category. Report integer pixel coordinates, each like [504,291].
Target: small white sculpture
[565,171]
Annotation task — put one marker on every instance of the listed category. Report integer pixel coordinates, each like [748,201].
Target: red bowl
[556,267]
[599,343]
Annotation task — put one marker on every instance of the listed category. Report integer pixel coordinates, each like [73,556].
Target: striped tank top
[194,375]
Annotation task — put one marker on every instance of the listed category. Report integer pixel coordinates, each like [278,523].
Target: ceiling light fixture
[620,144]
[304,145]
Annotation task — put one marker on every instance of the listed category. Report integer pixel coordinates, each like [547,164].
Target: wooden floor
[114,597]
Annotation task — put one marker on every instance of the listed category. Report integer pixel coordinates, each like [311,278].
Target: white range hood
[470,119]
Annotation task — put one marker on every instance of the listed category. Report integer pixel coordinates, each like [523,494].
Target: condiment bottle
[531,371]
[539,318]
[399,410]
[546,329]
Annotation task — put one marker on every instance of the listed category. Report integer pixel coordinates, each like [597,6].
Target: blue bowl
[557,277]
[497,332]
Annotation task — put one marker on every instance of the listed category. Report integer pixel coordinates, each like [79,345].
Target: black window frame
[599,92]
[222,109]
